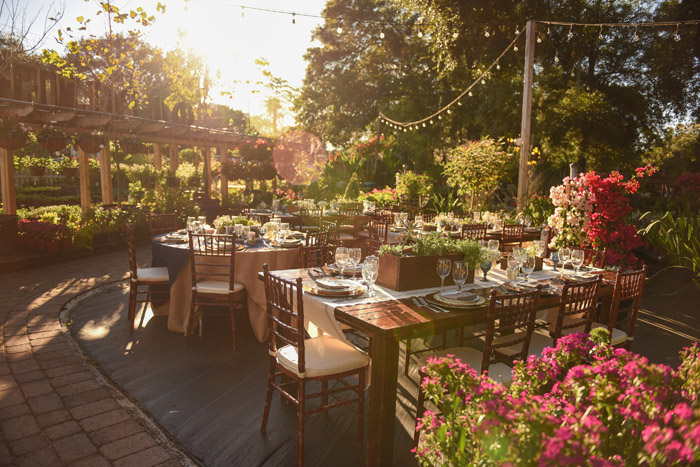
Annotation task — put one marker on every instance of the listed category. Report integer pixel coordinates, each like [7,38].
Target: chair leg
[232,311]
[190,321]
[133,290]
[324,396]
[407,362]
[268,398]
[420,409]
[361,407]
[300,424]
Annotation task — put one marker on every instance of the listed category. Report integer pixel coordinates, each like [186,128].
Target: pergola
[38,97]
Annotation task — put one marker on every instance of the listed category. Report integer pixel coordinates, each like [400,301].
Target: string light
[571,33]
[498,67]
[455,35]
[515,48]
[381,35]
[676,36]
[487,33]
[470,94]
[420,33]
[242,12]
[539,37]
[294,20]
[339,30]
[636,37]
[556,57]
[600,34]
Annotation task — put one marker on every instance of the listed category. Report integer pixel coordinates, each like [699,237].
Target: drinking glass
[443,270]
[355,257]
[539,247]
[485,268]
[577,257]
[513,266]
[419,221]
[554,256]
[202,221]
[342,258]
[245,230]
[370,268]
[460,271]
[493,245]
[564,255]
[527,220]
[190,223]
[528,265]
[476,216]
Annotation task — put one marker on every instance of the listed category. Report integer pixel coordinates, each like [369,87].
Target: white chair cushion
[152,274]
[345,236]
[538,342]
[216,287]
[325,355]
[499,372]
[618,335]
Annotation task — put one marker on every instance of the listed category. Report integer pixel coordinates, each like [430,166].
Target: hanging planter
[132,145]
[13,133]
[37,171]
[91,142]
[52,139]
[70,172]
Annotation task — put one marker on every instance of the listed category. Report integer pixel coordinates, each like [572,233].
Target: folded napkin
[462,296]
[332,284]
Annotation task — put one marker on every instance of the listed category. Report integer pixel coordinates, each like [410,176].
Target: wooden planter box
[414,272]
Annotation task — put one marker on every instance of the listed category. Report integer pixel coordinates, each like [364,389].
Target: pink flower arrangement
[581,403]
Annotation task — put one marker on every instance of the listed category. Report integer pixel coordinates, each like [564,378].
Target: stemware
[528,265]
[443,270]
[460,271]
[190,223]
[554,256]
[370,268]
[355,257]
[342,257]
[237,229]
[493,245]
[577,257]
[485,268]
[539,247]
[564,255]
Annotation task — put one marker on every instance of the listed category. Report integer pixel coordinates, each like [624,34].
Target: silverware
[432,306]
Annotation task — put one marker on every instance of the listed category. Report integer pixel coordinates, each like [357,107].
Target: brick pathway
[54,407]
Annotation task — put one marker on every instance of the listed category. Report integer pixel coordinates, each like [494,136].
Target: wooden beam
[84,180]
[223,178]
[527,114]
[106,175]
[128,124]
[53,116]
[207,172]
[174,158]
[7,180]
[158,156]
[90,121]
[21,110]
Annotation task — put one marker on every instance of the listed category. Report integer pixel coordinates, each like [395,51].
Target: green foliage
[410,184]
[446,203]
[352,191]
[146,174]
[394,250]
[539,208]
[678,152]
[475,168]
[189,175]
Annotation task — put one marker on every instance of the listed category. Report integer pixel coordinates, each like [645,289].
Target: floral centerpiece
[52,138]
[581,403]
[382,198]
[91,141]
[572,211]
[13,133]
[221,222]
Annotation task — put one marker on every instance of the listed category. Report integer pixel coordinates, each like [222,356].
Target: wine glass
[577,257]
[190,223]
[443,270]
[370,268]
[554,256]
[342,258]
[460,271]
[512,266]
[485,268]
[355,257]
[528,265]
[564,255]
[493,245]
[539,247]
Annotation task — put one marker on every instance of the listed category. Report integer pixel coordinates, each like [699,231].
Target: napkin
[331,283]
[462,296]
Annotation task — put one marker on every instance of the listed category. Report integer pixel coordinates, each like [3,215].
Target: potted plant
[91,141]
[37,165]
[51,138]
[94,166]
[69,166]
[13,133]
[132,145]
[413,189]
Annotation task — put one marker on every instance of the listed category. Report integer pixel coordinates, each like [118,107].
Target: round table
[176,257]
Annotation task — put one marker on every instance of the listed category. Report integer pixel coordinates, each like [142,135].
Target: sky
[215,30]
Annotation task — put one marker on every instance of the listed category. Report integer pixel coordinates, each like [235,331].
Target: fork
[432,306]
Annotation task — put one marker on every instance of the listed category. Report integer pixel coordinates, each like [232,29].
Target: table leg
[382,405]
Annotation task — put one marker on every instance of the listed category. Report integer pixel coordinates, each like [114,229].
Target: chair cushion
[216,287]
[499,372]
[325,355]
[152,274]
[618,335]
[345,236]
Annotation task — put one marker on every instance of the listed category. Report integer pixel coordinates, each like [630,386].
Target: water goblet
[245,230]
[577,257]
[564,255]
[493,245]
[202,221]
[485,268]
[460,271]
[355,257]
[554,256]
[370,269]
[539,247]
[237,229]
[342,257]
[190,222]
[528,265]
[443,270]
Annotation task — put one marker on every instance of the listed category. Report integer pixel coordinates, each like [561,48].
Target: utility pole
[527,114]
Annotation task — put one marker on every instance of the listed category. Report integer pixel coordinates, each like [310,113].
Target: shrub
[352,191]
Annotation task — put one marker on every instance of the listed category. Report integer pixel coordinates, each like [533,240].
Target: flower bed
[579,404]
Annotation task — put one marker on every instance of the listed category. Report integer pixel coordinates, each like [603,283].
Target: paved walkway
[55,409]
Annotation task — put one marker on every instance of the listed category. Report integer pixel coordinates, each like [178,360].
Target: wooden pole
[7,180]
[84,179]
[207,172]
[174,157]
[158,156]
[527,114]
[223,178]
[106,175]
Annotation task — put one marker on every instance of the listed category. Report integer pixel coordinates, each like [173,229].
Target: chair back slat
[506,315]
[320,238]
[331,228]
[285,312]
[627,297]
[474,231]
[513,232]
[577,306]
[378,235]
[316,256]
[385,216]
[350,209]
[161,223]
[131,247]
[204,247]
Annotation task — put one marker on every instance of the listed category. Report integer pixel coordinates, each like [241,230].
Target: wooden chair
[475,232]
[428,216]
[331,228]
[378,236]
[595,258]
[510,322]
[316,256]
[323,359]
[149,277]
[350,210]
[161,223]
[384,216]
[320,238]
[512,236]
[577,308]
[213,261]
[627,297]
[310,219]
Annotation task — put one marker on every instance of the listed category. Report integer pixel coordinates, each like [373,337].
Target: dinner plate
[335,269]
[439,299]
[313,289]
[547,289]
[578,277]
[288,243]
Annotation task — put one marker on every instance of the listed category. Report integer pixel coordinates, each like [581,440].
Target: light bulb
[459,102]
[455,35]
[483,81]
[423,124]
[570,35]
[539,40]
[470,94]
[294,21]
[487,33]
[242,12]
[676,37]
[381,35]
[515,47]
[439,117]
[431,121]
[449,111]
[420,33]
[498,67]
[339,30]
